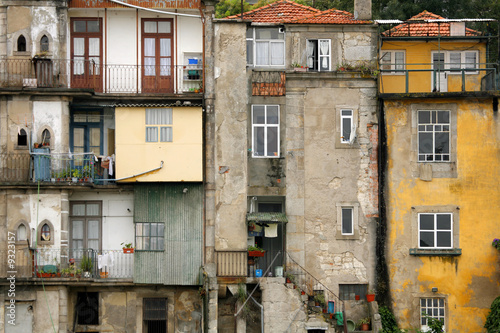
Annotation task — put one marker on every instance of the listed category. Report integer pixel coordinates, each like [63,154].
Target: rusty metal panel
[232,263]
[191,4]
[180,207]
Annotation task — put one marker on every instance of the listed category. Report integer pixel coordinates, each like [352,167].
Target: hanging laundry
[272,231]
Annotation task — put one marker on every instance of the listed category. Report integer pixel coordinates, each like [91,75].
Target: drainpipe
[140,174]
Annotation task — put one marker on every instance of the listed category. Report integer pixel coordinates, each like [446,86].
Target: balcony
[110,79]
[423,78]
[58,263]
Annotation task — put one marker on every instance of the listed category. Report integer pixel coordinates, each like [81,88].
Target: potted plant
[255,251]
[319,299]
[127,247]
[86,265]
[290,278]
[370,297]
[75,174]
[86,173]
[364,324]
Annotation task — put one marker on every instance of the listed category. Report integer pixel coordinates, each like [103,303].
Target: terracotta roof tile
[424,29]
[330,16]
[277,12]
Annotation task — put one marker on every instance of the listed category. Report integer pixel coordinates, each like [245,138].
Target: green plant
[203,292]
[255,248]
[364,321]
[76,173]
[492,324]
[290,277]
[389,324]
[320,298]
[496,243]
[86,171]
[127,245]
[86,264]
[436,325]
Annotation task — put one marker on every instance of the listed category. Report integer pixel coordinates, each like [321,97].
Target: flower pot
[125,250]
[104,275]
[74,179]
[256,253]
[288,280]
[370,297]
[302,292]
[357,297]
[365,327]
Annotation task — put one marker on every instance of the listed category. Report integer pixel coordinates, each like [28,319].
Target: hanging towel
[111,259]
[102,261]
[110,165]
[272,230]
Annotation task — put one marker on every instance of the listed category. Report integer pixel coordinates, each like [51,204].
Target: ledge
[436,252]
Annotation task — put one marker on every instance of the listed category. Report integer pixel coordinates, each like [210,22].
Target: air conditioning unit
[29,83]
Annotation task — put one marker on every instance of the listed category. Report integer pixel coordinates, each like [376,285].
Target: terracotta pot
[288,280]
[125,250]
[357,297]
[256,253]
[370,297]
[365,327]
[302,292]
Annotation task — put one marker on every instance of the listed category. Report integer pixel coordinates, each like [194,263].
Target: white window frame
[160,124]
[266,126]
[352,134]
[351,214]
[463,64]
[434,128]
[354,207]
[435,231]
[316,57]
[270,42]
[429,308]
[397,68]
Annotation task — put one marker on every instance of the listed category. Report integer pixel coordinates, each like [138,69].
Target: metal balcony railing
[425,78]
[105,78]
[51,262]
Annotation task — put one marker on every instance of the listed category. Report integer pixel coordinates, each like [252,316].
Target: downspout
[142,173]
[137,47]
[105,47]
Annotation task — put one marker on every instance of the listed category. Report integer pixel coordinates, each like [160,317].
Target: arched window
[44,44]
[21,44]
[46,137]
[22,138]
[21,233]
[45,236]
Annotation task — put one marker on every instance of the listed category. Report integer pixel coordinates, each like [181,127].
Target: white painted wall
[50,114]
[117,220]
[45,22]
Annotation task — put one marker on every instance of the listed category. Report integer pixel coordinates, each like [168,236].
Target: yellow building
[442,188]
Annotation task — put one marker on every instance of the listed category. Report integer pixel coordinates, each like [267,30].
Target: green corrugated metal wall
[182,214]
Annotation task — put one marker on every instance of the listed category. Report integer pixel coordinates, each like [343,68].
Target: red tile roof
[330,16]
[277,12]
[424,29]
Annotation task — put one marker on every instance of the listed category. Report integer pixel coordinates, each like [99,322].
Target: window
[159,117]
[348,292]
[433,136]
[87,308]
[433,308]
[21,44]
[393,61]
[461,60]
[347,220]
[45,235]
[318,54]
[265,130]
[22,138]
[22,233]
[46,137]
[347,130]
[44,44]
[435,230]
[266,47]
[150,236]
[86,133]
[85,226]
[155,315]
[347,225]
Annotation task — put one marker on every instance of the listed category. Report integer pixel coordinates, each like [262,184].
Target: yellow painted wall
[419,53]
[182,157]
[469,282]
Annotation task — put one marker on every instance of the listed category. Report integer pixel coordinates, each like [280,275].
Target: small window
[318,54]
[352,292]
[159,118]
[433,136]
[44,44]
[45,235]
[22,138]
[266,47]
[150,236]
[347,221]
[462,60]
[346,126]
[87,308]
[21,44]
[45,137]
[435,230]
[22,233]
[265,130]
[155,315]
[433,308]
[393,61]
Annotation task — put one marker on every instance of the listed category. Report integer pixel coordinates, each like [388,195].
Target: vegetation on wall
[493,320]
[389,324]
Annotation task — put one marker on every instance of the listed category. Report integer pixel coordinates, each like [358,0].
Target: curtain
[79,55]
[310,54]
[262,53]
[277,53]
[324,48]
[149,57]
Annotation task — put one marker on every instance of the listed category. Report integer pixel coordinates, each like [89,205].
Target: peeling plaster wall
[468,282]
[54,116]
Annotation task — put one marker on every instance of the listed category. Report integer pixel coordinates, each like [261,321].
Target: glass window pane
[138,229]
[347,221]
[426,221]
[94,47]
[455,59]
[272,141]
[150,27]
[426,239]
[444,239]
[146,227]
[443,117]
[161,229]
[149,47]
[399,59]
[77,229]
[165,67]
[164,27]
[153,229]
[259,114]
[347,112]
[93,26]
[262,53]
[424,117]
[93,209]
[470,59]
[166,134]
[272,114]
[78,210]
[346,129]
[277,53]
[443,222]
[165,50]
[93,229]
[425,143]
[95,137]
[258,144]
[151,134]
[250,52]
[79,26]
[438,61]
[442,143]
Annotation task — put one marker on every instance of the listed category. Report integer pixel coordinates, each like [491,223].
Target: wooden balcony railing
[232,263]
[110,78]
[15,167]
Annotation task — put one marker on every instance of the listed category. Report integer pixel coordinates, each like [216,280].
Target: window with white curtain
[159,121]
[266,47]
[318,54]
[463,60]
[85,226]
[86,38]
[265,130]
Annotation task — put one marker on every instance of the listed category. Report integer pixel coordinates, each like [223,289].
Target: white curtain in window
[164,27]
[77,234]
[79,53]
[310,54]
[277,53]
[455,59]
[165,66]
[324,48]
[150,27]
[151,134]
[161,116]
[470,59]
[149,57]
[262,53]
[166,134]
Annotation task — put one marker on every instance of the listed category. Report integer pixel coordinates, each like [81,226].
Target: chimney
[363,9]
